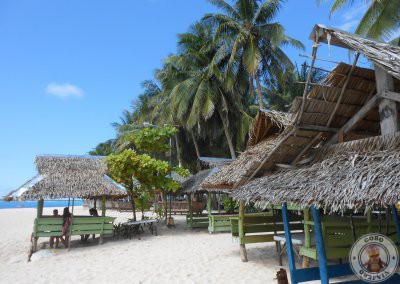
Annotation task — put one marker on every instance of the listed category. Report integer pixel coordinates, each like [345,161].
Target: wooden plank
[87,227]
[256,239]
[92,220]
[42,228]
[316,128]
[49,221]
[387,108]
[390,95]
[359,115]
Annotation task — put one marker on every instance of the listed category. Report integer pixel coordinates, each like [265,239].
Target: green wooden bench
[220,222]
[339,235]
[48,226]
[197,220]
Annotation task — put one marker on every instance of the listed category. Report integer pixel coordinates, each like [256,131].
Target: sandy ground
[177,255]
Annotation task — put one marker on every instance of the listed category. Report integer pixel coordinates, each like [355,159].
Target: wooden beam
[315,139]
[317,128]
[393,96]
[387,107]
[373,102]
[339,100]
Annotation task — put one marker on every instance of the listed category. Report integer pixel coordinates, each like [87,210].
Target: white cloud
[64,90]
[352,16]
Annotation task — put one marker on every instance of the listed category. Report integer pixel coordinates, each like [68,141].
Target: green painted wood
[87,227]
[309,252]
[257,239]
[219,229]
[91,220]
[49,228]
[241,221]
[49,220]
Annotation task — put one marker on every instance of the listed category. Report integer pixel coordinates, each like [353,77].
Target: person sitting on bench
[93,212]
[55,215]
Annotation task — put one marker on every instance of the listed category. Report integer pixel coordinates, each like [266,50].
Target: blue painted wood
[289,247]
[396,221]
[319,242]
[395,279]
[309,274]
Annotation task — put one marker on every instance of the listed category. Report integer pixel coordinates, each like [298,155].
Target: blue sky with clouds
[69,67]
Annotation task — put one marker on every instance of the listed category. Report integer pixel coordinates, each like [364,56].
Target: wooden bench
[220,222]
[48,226]
[338,235]
[197,220]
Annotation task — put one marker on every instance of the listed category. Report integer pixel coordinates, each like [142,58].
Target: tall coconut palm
[381,21]
[200,92]
[252,38]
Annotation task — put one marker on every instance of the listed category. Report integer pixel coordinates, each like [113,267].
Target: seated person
[55,215]
[93,212]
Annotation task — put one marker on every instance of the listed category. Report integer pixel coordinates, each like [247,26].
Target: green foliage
[229,204]
[153,139]
[150,172]
[103,149]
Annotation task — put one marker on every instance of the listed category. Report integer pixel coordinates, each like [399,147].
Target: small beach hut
[68,176]
[354,158]
[195,198]
[265,132]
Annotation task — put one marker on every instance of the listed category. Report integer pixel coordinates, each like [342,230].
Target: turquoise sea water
[33,204]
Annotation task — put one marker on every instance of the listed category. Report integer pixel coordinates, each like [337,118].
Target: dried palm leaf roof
[385,55]
[352,175]
[267,123]
[193,183]
[241,168]
[70,176]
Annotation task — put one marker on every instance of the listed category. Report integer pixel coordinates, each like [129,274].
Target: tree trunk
[259,92]
[252,89]
[178,150]
[227,134]
[133,205]
[196,146]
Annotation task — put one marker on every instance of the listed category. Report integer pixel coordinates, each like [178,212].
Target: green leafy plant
[229,204]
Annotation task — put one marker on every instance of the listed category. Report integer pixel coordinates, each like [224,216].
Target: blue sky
[69,67]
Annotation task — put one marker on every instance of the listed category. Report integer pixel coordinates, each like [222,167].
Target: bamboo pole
[307,236]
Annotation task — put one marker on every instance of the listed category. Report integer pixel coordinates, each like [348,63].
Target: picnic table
[135,227]
[297,241]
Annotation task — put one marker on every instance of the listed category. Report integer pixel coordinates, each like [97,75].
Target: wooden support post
[307,237]
[396,221]
[289,245]
[190,209]
[209,203]
[319,242]
[40,208]
[103,214]
[243,252]
[387,108]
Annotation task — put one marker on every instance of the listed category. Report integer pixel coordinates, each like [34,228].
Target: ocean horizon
[33,204]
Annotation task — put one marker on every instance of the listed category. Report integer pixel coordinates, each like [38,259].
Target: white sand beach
[177,255]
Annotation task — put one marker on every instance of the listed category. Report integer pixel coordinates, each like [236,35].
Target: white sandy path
[175,256]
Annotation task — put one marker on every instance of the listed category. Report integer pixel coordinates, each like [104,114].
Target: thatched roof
[362,172]
[267,123]
[352,175]
[385,55]
[241,168]
[212,162]
[193,183]
[70,176]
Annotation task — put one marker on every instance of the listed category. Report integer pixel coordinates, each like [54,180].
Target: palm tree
[380,21]
[253,40]
[199,93]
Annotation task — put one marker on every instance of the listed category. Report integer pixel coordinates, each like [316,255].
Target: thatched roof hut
[353,175]
[262,137]
[385,55]
[352,106]
[192,184]
[70,176]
